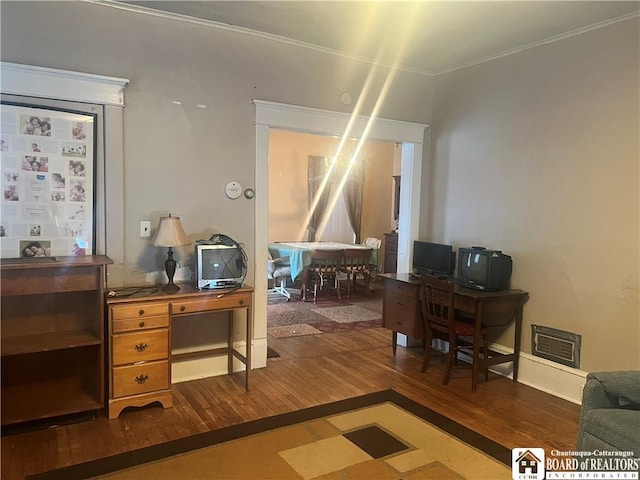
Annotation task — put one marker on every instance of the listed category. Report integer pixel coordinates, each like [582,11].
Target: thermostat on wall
[233,190]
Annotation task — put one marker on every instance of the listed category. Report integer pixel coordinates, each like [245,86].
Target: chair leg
[450,361]
[485,357]
[428,340]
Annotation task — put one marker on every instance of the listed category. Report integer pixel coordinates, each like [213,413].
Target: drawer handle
[399,303]
[183,308]
[142,378]
[141,347]
[140,312]
[241,302]
[141,324]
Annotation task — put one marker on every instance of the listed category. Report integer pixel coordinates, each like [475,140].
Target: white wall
[179,157]
[537,154]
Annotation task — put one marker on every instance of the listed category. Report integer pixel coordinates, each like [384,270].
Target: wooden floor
[311,370]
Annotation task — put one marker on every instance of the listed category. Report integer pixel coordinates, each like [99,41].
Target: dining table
[299,254]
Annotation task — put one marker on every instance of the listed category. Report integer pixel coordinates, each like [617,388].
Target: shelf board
[46,342]
[21,403]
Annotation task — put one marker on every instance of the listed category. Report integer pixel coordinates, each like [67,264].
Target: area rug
[383,435]
[347,314]
[296,318]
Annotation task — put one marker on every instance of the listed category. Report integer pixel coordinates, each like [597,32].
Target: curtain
[352,194]
[316,172]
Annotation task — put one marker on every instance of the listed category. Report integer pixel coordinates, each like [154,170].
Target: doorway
[323,122]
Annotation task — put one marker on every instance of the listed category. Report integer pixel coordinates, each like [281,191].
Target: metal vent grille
[556,345]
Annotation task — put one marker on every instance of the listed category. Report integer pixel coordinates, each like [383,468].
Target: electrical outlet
[145,228]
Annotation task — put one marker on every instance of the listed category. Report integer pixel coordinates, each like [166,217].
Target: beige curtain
[317,169]
[352,194]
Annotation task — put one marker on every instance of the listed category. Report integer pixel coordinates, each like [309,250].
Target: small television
[484,269]
[218,266]
[433,258]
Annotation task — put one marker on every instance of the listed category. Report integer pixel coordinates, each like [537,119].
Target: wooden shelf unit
[52,337]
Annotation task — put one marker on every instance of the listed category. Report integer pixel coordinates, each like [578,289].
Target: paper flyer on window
[47,165]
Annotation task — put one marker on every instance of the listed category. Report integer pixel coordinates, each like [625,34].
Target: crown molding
[34,81]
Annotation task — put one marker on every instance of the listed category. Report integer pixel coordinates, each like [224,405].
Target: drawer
[139,310]
[402,314]
[142,323]
[137,379]
[140,346]
[393,288]
[210,304]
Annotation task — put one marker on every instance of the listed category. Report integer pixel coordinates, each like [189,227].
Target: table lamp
[170,234]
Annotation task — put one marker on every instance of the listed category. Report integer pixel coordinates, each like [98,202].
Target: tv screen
[484,269]
[473,266]
[433,258]
[218,266]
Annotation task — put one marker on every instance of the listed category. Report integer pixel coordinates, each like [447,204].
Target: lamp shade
[170,233]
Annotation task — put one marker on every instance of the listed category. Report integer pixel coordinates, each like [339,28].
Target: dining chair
[278,269]
[325,267]
[440,321]
[357,261]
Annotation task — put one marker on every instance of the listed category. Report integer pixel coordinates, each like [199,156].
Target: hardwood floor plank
[310,371]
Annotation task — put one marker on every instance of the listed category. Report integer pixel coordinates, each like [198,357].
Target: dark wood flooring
[311,370]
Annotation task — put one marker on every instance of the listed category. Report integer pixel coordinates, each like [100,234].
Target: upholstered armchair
[610,414]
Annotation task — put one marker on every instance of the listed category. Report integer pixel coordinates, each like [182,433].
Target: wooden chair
[357,261]
[439,318]
[324,267]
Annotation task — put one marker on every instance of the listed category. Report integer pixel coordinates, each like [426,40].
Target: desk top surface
[156,292]
[469,292]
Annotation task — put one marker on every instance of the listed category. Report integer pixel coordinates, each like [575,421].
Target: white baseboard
[541,374]
[213,366]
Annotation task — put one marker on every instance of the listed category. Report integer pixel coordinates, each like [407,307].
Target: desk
[401,312]
[139,331]
[299,254]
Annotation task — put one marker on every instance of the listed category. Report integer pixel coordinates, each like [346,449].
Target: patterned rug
[382,435]
[295,318]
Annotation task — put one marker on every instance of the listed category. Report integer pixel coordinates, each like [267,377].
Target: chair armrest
[620,389]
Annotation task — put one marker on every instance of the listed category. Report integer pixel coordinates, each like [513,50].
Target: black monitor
[433,258]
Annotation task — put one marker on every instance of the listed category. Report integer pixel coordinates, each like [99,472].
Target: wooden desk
[401,312]
[140,355]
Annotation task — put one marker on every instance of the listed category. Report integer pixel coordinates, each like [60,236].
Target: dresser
[401,309]
[140,354]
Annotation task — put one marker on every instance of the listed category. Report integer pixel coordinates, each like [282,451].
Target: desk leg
[516,342]
[249,348]
[394,341]
[230,344]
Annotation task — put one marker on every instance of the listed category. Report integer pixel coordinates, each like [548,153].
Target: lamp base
[171,288]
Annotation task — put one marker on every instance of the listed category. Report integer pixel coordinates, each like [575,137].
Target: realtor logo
[527,463]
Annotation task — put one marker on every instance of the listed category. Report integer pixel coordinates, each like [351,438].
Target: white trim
[324,122]
[541,374]
[33,81]
[536,372]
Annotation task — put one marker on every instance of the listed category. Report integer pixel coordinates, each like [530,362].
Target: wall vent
[556,345]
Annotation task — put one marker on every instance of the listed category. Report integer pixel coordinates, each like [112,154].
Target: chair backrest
[357,259]
[326,261]
[436,297]
[372,242]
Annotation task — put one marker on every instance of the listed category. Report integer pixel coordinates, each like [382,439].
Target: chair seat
[282,272]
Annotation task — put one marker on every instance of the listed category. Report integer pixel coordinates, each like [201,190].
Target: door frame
[325,122]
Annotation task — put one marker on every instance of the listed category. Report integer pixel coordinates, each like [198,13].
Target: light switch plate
[145,228]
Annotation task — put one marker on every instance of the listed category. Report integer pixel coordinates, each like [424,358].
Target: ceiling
[429,37]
